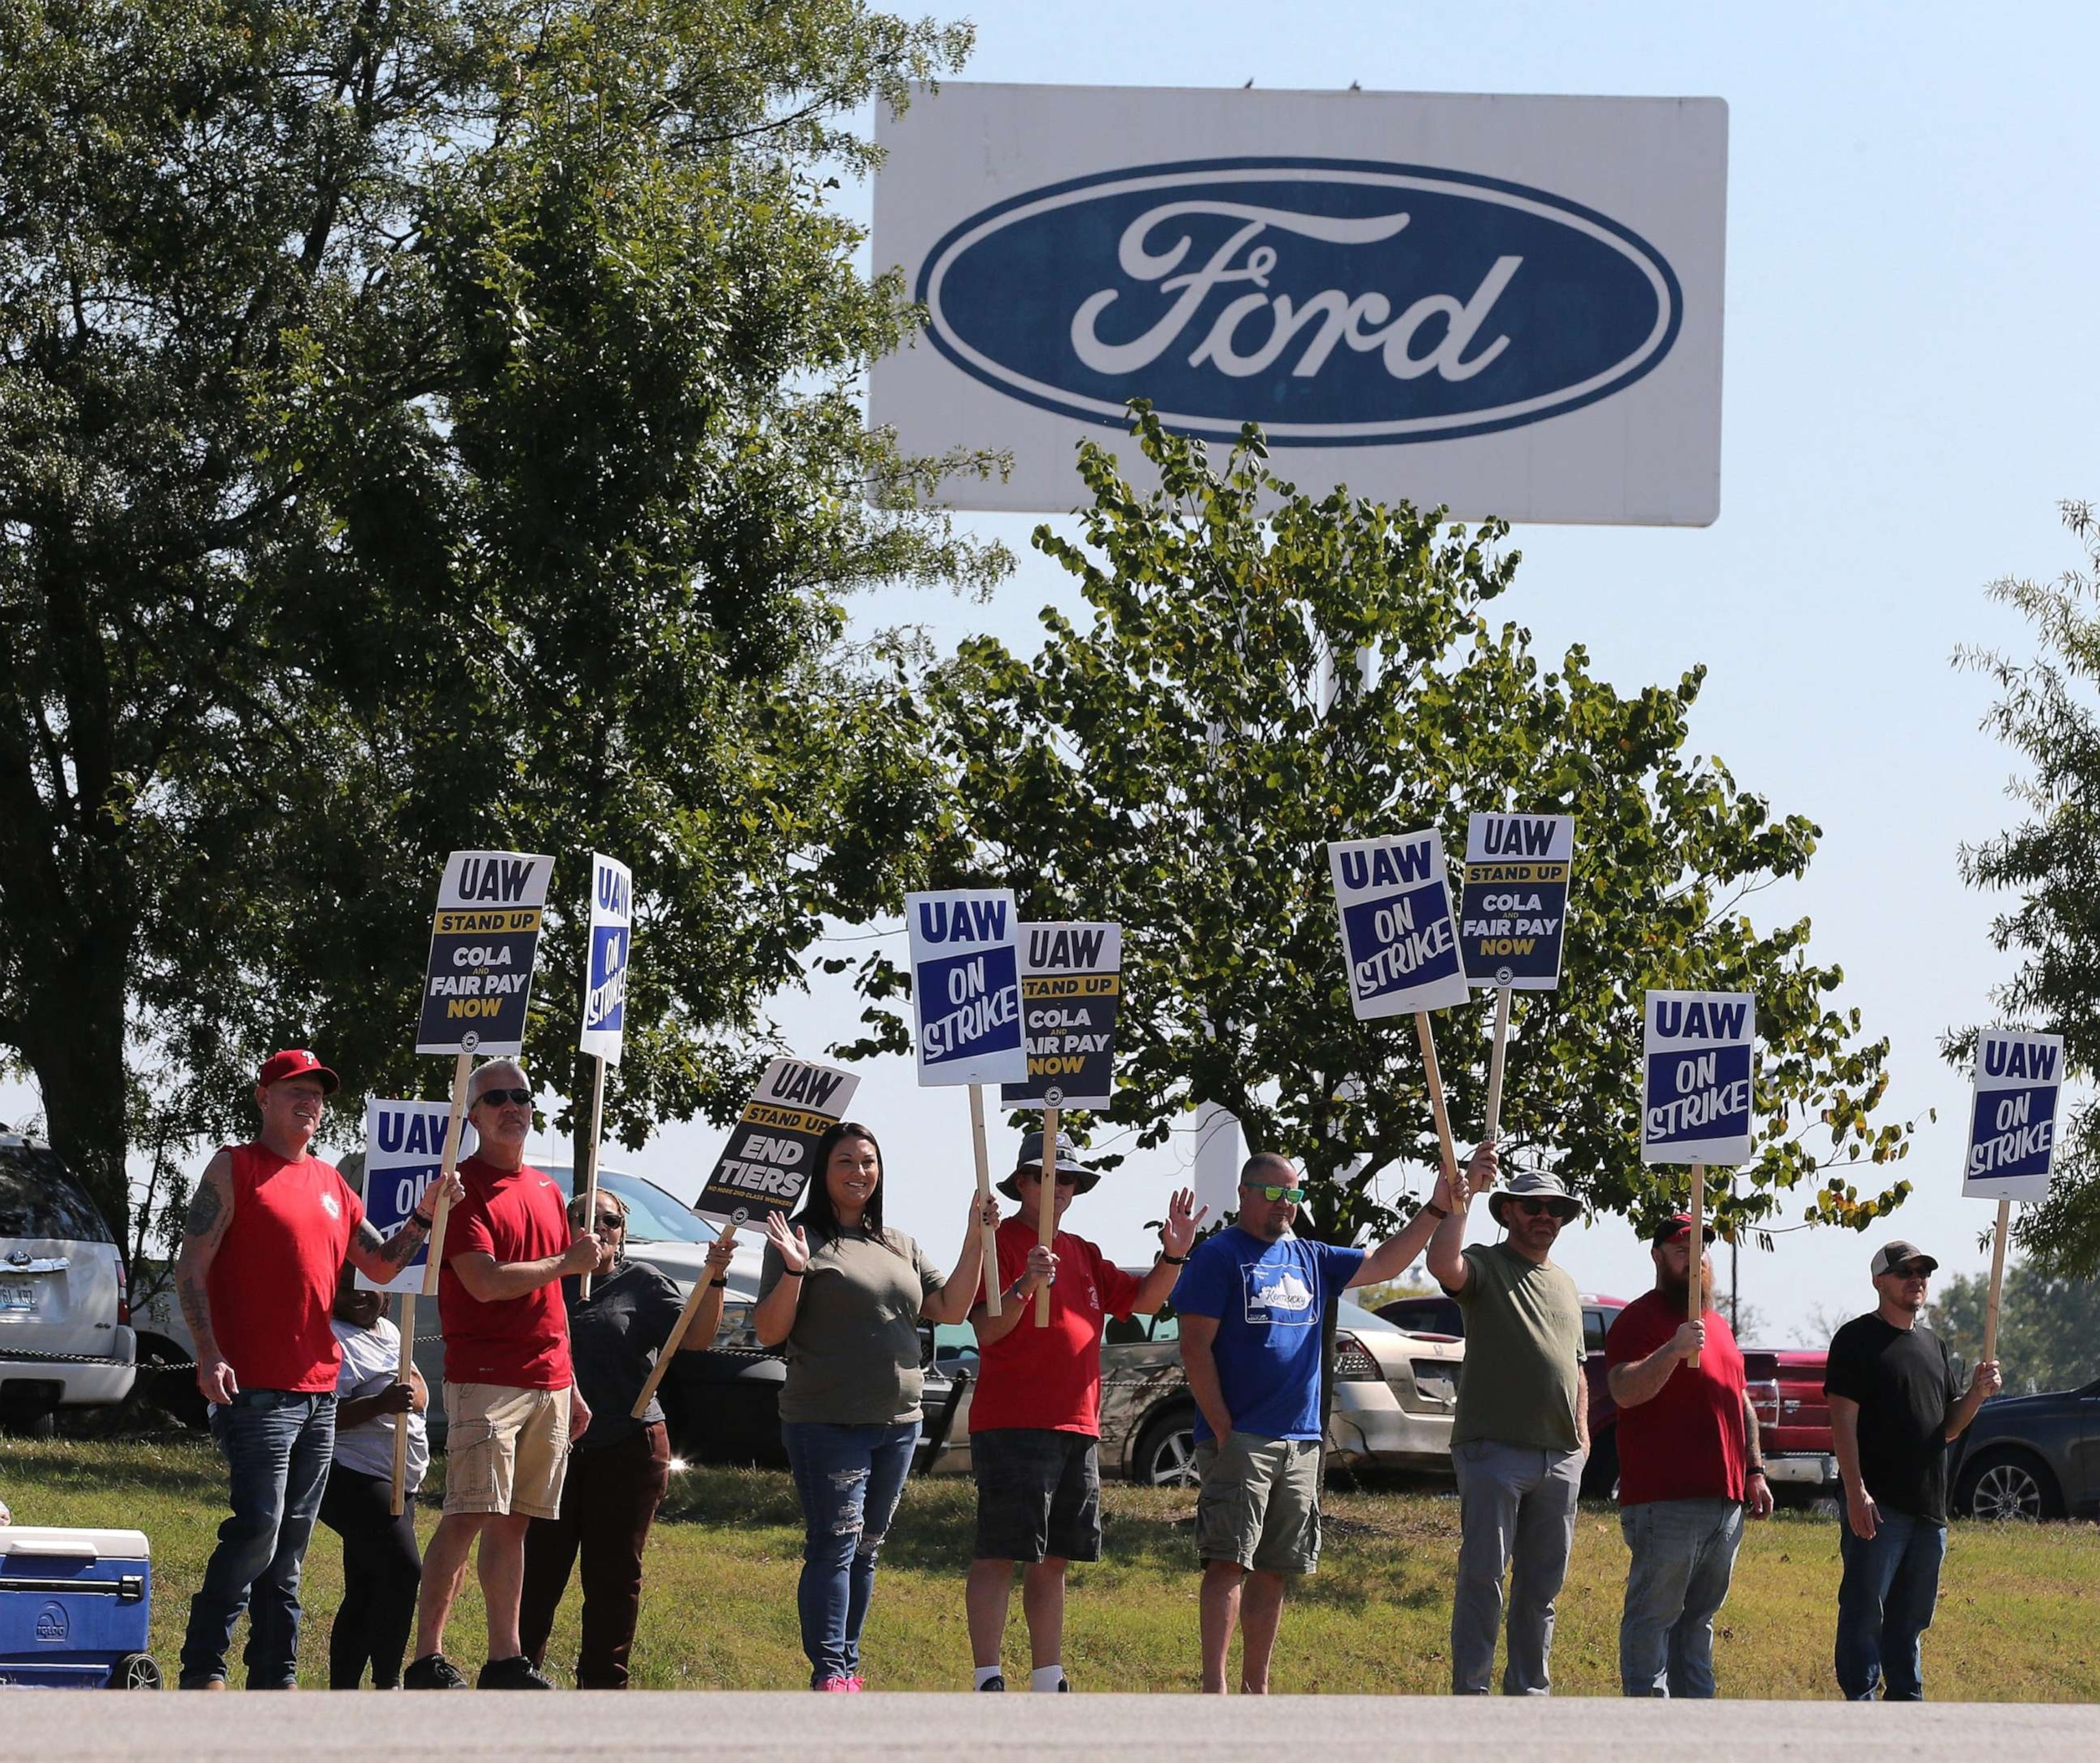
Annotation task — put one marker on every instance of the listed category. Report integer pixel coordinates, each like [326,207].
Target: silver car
[1394,1395]
[65,1339]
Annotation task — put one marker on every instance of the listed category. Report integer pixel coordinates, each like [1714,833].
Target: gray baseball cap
[1892,1255]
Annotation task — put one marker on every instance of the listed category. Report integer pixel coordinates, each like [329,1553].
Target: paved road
[1081,1729]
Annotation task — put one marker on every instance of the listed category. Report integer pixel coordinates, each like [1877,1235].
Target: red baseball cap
[297,1062]
[1676,1226]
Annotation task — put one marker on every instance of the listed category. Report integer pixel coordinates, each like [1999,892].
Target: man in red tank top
[268,1231]
[511,1405]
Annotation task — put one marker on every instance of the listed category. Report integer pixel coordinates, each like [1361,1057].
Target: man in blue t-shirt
[1251,1299]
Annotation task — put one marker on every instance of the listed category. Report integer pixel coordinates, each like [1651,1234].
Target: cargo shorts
[506,1449]
[1259,1503]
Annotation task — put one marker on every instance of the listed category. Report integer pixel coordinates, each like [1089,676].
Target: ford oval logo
[1339,303]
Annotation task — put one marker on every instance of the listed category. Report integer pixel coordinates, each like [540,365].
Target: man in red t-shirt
[1689,1463]
[1035,1416]
[268,1231]
[511,1405]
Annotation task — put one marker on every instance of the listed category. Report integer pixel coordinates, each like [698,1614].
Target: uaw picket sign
[966,986]
[1071,987]
[2012,1125]
[1513,910]
[1399,942]
[404,1149]
[1696,1078]
[487,930]
[772,1149]
[1509,305]
[611,942]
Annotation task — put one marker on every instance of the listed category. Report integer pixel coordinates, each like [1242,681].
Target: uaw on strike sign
[769,1155]
[966,986]
[1071,987]
[404,1152]
[605,972]
[482,939]
[1696,1077]
[1513,911]
[1398,942]
[2012,1127]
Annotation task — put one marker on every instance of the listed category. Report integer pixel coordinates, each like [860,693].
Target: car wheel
[1167,1453]
[2007,1485]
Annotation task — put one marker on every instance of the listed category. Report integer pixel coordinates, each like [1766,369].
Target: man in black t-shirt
[1895,1406]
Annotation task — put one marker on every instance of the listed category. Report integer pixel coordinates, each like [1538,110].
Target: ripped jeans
[849,1479]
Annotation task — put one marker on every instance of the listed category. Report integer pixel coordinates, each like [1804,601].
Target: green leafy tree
[1265,671]
[425,424]
[2048,1325]
[2046,712]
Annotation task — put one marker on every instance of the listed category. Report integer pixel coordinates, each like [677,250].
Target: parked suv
[65,1335]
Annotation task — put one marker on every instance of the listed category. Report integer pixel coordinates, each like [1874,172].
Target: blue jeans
[849,1479]
[1683,1553]
[277,1446]
[1885,1605]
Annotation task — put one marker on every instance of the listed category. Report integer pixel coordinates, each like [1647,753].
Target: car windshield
[653,1216]
[39,1198]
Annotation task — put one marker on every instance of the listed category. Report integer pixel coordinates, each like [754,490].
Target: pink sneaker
[840,1686]
[856,1684]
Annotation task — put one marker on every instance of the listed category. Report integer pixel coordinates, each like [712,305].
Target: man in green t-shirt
[1522,1429]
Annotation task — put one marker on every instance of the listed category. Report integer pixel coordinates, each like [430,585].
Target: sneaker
[856,1683]
[514,1673]
[1063,1685]
[993,1683]
[433,1671]
[840,1686]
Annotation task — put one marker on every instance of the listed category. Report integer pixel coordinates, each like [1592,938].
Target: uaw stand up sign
[1513,916]
[771,1151]
[1071,986]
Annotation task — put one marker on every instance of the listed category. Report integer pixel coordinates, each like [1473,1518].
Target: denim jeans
[1885,1605]
[1684,1552]
[277,1446]
[1517,1506]
[849,1479]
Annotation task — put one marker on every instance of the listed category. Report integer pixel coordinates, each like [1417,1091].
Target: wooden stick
[462,1069]
[1434,1079]
[1694,1302]
[1997,1278]
[1495,1064]
[992,1282]
[669,1349]
[401,1420]
[590,1169]
[1046,1209]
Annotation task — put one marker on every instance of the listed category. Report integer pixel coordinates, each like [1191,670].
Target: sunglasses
[1065,1178]
[521,1098]
[1910,1270]
[610,1221]
[1271,1191]
[1532,1209]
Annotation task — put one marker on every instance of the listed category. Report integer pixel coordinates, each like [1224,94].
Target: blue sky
[1909,388]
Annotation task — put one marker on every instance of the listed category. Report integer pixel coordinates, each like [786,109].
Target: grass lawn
[2019,1612]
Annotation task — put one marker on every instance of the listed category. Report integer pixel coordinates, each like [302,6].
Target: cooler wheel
[134,1671]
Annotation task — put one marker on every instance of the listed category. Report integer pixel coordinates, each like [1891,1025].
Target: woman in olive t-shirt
[847,1296]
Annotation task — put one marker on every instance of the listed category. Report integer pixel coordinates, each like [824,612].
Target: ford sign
[1336,302]
[1506,305]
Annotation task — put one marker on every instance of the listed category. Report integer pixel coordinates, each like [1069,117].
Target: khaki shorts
[506,1449]
[1260,1503]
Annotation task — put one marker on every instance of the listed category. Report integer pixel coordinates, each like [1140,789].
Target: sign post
[1071,989]
[1400,943]
[966,996]
[770,1157]
[1513,916]
[2019,1082]
[1698,1058]
[605,1003]
[478,986]
[408,1145]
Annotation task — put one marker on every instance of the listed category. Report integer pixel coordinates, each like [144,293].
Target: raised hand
[984,1213]
[1183,1222]
[1476,1177]
[1690,1338]
[1041,1270]
[720,1252]
[582,1254]
[791,1243]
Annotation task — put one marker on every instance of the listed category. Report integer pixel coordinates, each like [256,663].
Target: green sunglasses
[1295,1196]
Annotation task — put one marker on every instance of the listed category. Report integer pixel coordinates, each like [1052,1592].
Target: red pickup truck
[1785,1388]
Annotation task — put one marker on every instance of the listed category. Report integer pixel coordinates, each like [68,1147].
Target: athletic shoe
[993,1683]
[513,1674]
[433,1671]
[839,1686]
[856,1683]
[1064,1684]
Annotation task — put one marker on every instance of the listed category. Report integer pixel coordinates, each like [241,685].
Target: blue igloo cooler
[73,1609]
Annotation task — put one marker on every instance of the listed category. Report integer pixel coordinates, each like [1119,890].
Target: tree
[431,423]
[1264,672]
[2047,1325]
[2045,712]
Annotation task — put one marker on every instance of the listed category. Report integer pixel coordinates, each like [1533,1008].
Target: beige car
[1394,1394]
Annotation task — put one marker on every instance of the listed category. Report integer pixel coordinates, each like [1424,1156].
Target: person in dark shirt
[1895,1406]
[620,1470]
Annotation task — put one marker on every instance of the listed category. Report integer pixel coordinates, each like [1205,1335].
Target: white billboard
[1511,306]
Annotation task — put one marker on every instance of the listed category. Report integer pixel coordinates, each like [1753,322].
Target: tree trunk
[74,1041]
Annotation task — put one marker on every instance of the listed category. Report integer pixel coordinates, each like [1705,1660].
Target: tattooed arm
[381,1258]
[204,1229]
